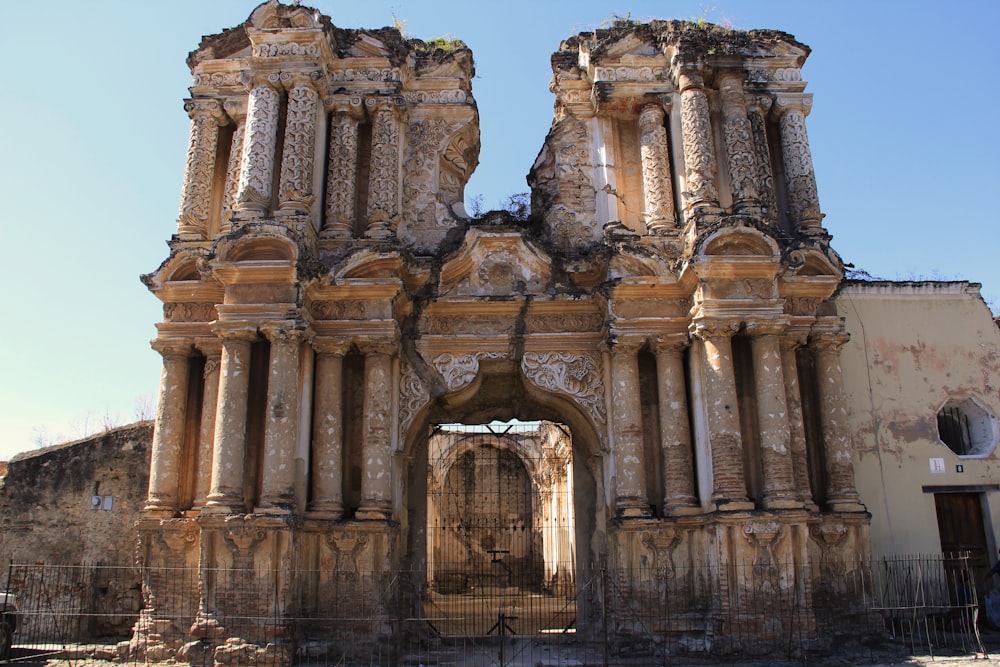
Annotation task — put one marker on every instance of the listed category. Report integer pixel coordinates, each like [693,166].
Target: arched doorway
[500,527]
[504,513]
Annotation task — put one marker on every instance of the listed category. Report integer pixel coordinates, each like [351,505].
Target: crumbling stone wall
[49,507]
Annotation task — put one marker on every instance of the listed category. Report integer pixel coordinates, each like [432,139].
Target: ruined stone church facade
[328,303]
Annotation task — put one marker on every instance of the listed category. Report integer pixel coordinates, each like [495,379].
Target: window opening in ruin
[967,428]
[500,528]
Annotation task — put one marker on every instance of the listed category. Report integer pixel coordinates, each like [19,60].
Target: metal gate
[501,560]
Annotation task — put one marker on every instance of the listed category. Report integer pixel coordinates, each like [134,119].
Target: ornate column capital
[768,327]
[244,331]
[792,340]
[351,106]
[385,345]
[210,347]
[706,329]
[670,344]
[829,341]
[235,108]
[173,347]
[761,103]
[786,102]
[335,345]
[625,345]
[286,332]
[689,75]
[205,107]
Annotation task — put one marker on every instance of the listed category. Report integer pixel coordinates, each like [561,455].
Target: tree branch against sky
[903,134]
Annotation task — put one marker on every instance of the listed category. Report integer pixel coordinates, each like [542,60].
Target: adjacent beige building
[922,371]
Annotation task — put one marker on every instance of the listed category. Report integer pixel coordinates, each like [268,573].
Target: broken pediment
[497,264]
[273,15]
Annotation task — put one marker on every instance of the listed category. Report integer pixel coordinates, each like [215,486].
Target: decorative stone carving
[699,149]
[459,371]
[436,97]
[347,75]
[800,178]
[257,161]
[232,176]
[341,175]
[656,181]
[426,141]
[564,322]
[339,310]
[217,79]
[179,539]
[241,534]
[470,324]
[578,375]
[662,543]
[757,108]
[295,192]
[629,74]
[738,135]
[290,49]
[383,180]
[347,546]
[189,312]
[413,395]
[764,536]
[196,193]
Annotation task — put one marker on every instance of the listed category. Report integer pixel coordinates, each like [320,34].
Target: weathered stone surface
[76,501]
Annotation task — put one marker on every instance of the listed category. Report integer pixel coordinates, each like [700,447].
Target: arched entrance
[504,523]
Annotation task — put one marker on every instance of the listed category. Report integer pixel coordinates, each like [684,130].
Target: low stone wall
[78,501]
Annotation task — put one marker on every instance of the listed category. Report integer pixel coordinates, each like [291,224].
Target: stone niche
[329,309]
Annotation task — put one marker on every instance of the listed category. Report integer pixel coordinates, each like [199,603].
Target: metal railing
[884,609]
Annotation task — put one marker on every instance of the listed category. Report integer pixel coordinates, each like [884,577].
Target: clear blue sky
[904,135]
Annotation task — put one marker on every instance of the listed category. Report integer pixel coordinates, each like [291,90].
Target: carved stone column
[383,178]
[772,415]
[738,135]
[327,456]
[800,179]
[757,109]
[295,188]
[226,494]
[209,403]
[675,428]
[253,196]
[630,474]
[657,190]
[236,109]
[168,434]
[196,193]
[342,170]
[376,471]
[729,490]
[701,197]
[796,426]
[841,495]
[282,419]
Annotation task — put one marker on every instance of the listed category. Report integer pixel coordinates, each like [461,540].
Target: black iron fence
[873,610]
